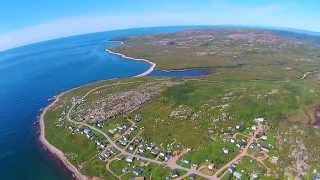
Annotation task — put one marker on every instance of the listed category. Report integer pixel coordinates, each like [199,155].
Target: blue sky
[28,21]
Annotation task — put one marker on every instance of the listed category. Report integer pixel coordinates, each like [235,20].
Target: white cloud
[260,16]
[80,25]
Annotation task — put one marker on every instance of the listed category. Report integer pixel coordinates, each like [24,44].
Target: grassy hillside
[264,82]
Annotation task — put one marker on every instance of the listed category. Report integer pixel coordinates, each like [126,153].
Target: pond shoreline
[57,153]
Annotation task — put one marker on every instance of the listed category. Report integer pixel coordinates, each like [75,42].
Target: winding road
[124,152]
[172,162]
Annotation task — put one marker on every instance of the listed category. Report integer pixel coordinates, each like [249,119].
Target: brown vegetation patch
[121,102]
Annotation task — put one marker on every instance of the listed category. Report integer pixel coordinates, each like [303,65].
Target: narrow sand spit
[153,65]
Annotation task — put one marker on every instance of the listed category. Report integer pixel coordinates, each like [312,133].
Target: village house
[123,141]
[140,150]
[237,175]
[316,177]
[210,167]
[138,117]
[155,151]
[254,176]
[125,170]
[185,161]
[87,132]
[259,120]
[137,171]
[131,148]
[99,124]
[113,131]
[225,150]
[232,168]
[130,159]
[174,174]
[274,159]
[253,128]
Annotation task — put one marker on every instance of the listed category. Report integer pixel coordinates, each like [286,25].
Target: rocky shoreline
[76,174]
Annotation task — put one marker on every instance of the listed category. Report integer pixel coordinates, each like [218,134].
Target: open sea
[30,75]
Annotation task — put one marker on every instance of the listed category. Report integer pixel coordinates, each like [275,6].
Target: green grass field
[201,113]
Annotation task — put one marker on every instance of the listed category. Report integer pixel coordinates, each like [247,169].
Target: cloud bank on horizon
[58,18]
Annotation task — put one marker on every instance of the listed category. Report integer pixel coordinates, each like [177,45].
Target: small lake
[30,75]
[180,73]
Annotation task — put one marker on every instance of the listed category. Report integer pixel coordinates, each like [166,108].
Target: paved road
[122,151]
[243,153]
[171,165]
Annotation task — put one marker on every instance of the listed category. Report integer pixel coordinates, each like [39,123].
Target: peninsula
[255,117]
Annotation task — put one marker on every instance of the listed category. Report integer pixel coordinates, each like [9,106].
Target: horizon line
[279,28]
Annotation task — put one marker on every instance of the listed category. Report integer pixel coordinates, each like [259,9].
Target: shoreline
[76,174]
[153,65]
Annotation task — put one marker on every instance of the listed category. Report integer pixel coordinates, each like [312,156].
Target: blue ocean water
[30,75]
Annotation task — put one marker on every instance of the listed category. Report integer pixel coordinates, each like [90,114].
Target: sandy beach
[153,65]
